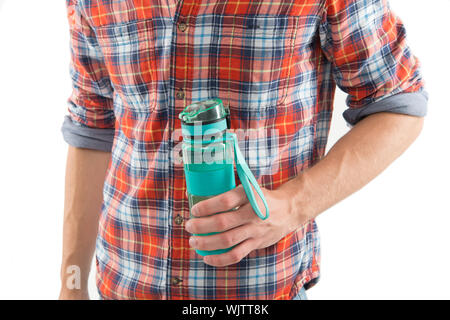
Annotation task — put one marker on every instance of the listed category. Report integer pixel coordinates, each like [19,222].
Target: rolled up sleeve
[90,121]
[372,62]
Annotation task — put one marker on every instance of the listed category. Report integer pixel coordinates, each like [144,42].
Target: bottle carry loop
[248,179]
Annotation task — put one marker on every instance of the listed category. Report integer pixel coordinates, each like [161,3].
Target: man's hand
[241,228]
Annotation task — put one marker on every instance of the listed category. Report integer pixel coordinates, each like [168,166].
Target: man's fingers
[233,256]
[221,240]
[220,222]
[223,202]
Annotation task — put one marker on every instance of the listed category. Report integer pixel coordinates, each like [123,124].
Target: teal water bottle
[209,153]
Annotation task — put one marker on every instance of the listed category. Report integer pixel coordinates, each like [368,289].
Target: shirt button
[175,281]
[178,219]
[182,26]
[180,95]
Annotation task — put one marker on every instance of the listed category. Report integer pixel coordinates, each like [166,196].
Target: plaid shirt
[137,63]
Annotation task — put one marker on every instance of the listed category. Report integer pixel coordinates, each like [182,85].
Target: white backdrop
[398,225]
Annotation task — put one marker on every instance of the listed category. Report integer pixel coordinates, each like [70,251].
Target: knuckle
[246,213]
[235,256]
[258,232]
[221,222]
[228,201]
[228,240]
[244,233]
[235,215]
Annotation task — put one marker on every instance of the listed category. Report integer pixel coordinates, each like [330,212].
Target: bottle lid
[204,111]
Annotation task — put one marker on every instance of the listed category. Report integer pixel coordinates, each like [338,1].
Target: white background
[388,241]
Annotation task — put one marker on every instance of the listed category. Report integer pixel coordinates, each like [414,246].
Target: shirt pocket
[255,60]
[129,54]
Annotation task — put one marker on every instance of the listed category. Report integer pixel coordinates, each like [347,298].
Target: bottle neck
[199,130]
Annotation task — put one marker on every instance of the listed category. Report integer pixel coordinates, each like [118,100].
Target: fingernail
[192,241]
[194,210]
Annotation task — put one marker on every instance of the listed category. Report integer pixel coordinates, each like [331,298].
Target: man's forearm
[85,175]
[358,157]
[353,161]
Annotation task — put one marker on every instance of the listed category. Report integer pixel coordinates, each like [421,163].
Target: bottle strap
[248,179]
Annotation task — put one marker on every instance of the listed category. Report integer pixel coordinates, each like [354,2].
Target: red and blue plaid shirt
[137,63]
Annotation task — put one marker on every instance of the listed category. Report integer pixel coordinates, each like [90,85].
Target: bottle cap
[205,111]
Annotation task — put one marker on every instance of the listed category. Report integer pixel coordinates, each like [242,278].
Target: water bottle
[209,152]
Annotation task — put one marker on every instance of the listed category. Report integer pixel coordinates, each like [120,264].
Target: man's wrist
[74,294]
[298,197]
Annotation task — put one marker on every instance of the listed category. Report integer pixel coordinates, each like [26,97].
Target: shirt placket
[180,96]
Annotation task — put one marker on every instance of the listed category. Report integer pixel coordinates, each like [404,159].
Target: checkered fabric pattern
[137,63]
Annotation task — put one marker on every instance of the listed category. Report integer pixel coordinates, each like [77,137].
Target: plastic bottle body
[209,171]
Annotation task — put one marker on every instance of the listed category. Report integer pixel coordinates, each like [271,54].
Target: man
[136,64]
